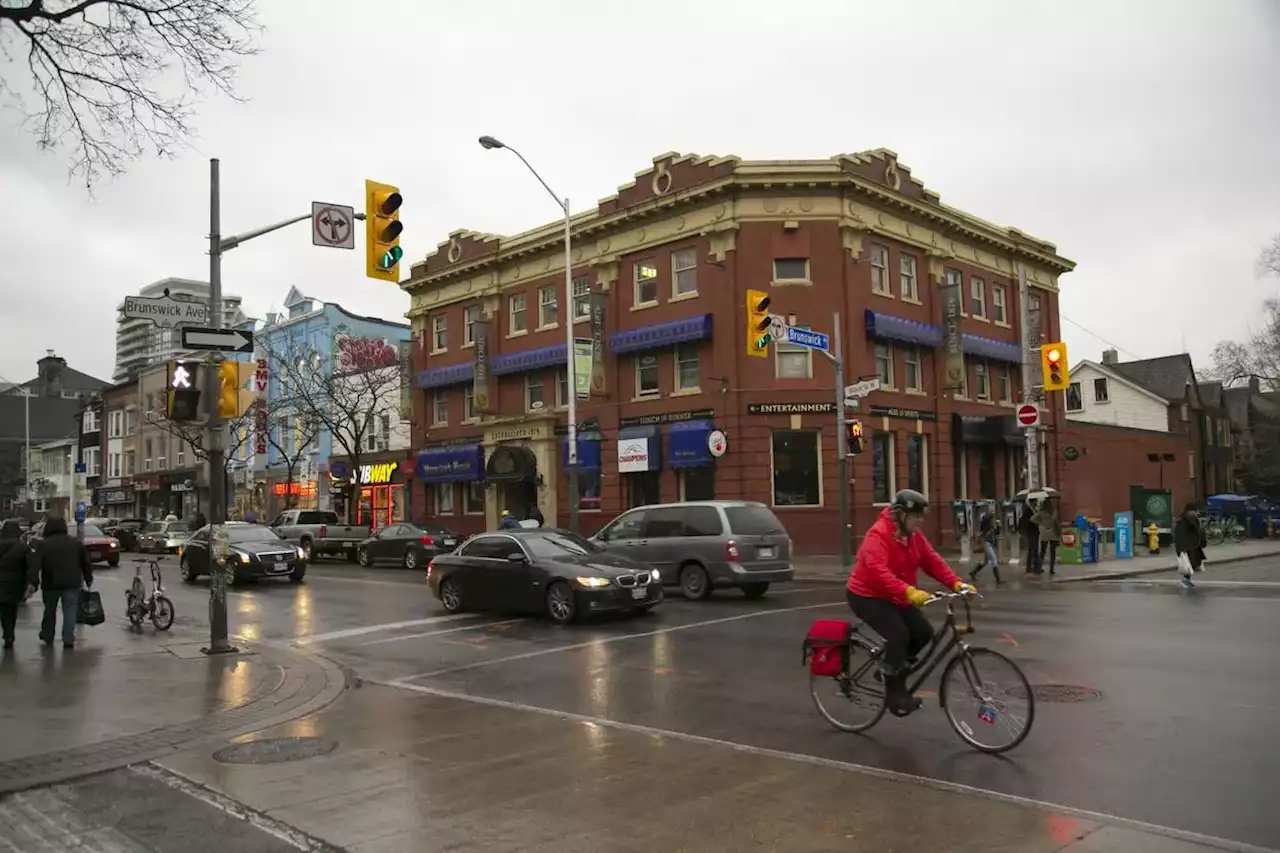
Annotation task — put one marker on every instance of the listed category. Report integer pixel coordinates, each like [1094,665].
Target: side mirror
[515,557]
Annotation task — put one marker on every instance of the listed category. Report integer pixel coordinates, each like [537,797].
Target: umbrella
[1046,493]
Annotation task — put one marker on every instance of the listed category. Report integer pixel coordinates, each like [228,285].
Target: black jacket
[1189,539]
[62,562]
[16,572]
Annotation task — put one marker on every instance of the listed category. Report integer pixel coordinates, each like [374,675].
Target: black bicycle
[984,694]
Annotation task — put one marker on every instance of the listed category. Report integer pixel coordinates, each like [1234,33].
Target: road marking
[618,639]
[1197,581]
[385,626]
[418,584]
[438,633]
[836,764]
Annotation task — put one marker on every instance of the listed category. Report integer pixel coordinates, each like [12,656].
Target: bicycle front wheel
[987,700]
[162,613]
[1215,535]
[850,702]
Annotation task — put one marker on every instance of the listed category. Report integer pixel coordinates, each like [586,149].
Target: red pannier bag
[826,646]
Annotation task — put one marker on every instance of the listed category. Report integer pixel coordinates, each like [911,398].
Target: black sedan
[253,551]
[126,530]
[406,545]
[541,570]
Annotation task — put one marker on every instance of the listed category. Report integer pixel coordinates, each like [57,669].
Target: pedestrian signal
[853,435]
[182,400]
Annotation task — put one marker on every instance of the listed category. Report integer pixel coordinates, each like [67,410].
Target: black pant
[1034,564]
[906,631]
[1051,549]
[8,619]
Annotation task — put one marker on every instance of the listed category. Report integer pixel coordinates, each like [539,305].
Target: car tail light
[430,566]
[731,550]
[427,540]
[324,531]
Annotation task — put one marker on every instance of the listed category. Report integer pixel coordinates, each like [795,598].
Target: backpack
[826,647]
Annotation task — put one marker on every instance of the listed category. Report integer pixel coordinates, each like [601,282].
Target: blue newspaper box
[1088,539]
[1124,535]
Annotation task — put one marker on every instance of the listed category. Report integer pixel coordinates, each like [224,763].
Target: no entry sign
[1028,415]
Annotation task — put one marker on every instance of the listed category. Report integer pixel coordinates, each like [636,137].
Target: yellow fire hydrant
[1153,538]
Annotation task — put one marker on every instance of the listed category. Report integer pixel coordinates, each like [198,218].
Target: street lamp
[567,317]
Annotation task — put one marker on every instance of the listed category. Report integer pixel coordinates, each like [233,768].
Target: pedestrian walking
[988,532]
[200,521]
[1046,521]
[63,566]
[508,521]
[1189,543]
[16,577]
[535,514]
[1031,537]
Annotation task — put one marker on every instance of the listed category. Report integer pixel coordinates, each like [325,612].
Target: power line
[1089,331]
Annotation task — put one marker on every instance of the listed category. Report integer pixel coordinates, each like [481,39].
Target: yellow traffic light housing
[233,401]
[182,397]
[855,444]
[758,337]
[382,229]
[1053,366]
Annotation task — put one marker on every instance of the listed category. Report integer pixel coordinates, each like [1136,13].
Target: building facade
[140,343]
[116,495]
[660,274]
[169,478]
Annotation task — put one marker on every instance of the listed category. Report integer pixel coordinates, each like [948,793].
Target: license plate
[450,543]
[766,553]
[639,592]
[347,544]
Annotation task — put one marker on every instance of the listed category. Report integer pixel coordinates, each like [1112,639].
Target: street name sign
[1028,415]
[855,392]
[165,311]
[806,338]
[331,225]
[216,340]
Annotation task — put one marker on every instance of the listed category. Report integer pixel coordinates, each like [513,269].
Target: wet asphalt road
[1181,732]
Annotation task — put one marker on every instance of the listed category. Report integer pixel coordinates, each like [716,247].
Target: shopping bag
[89,608]
[1184,565]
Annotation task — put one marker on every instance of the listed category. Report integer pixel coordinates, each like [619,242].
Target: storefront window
[917,463]
[698,484]
[987,472]
[882,468]
[444,498]
[643,488]
[797,469]
[475,497]
[589,488]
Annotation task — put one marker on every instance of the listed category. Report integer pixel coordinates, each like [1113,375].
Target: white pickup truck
[319,532]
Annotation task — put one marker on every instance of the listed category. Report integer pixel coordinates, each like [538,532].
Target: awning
[661,335]
[890,328]
[991,348]
[511,463]
[451,464]
[439,377]
[982,429]
[526,360]
[589,450]
[687,445]
[639,449]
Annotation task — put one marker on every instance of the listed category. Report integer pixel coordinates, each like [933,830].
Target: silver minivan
[700,545]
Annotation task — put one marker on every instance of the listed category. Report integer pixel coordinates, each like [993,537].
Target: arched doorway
[512,469]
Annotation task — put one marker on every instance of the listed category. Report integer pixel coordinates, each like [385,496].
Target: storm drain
[1065,693]
[275,750]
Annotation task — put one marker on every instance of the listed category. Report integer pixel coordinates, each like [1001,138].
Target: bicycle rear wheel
[850,702]
[162,613]
[1215,535]
[987,700]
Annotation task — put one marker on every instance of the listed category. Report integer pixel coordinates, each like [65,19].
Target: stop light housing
[758,337]
[232,377]
[382,229]
[853,434]
[182,398]
[1053,365]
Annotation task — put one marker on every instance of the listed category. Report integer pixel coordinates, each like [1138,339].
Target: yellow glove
[917,597]
[965,588]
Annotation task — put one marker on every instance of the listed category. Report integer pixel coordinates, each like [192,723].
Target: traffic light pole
[842,450]
[1029,345]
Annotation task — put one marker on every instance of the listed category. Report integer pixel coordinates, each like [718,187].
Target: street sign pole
[1028,379]
[842,463]
[218,642]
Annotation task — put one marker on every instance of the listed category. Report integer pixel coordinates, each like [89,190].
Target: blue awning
[454,464]
[889,327]
[589,448]
[639,449]
[661,335]
[526,360]
[439,377]
[687,445]
[991,348]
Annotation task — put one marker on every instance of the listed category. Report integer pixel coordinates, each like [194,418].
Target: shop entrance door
[381,506]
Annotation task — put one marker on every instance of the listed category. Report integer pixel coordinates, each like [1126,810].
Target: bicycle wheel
[987,700]
[1236,533]
[133,610]
[851,702]
[1215,535]
[162,613]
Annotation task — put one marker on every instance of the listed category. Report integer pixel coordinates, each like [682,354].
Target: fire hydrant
[1153,538]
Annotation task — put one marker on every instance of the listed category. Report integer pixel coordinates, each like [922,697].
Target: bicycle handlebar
[942,596]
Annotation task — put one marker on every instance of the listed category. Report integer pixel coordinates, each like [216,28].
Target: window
[643,488]
[998,312]
[469,317]
[983,376]
[963,390]
[646,375]
[790,269]
[533,397]
[117,425]
[907,278]
[914,379]
[882,468]
[377,432]
[440,407]
[884,364]
[516,314]
[687,369]
[698,484]
[797,469]
[444,498]
[130,463]
[581,297]
[548,312]
[439,333]
[918,464]
[880,270]
[646,282]
[684,272]
[146,459]
[1100,391]
[1004,384]
[469,402]
[150,403]
[114,466]
[474,494]
[1075,403]
[181,454]
[92,463]
[90,421]
[977,297]
[562,388]
[791,361]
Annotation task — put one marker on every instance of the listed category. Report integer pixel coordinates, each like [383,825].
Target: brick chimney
[1110,356]
[49,383]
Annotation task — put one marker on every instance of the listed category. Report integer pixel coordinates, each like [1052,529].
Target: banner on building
[952,341]
[405,353]
[599,384]
[260,426]
[582,349]
[260,375]
[480,335]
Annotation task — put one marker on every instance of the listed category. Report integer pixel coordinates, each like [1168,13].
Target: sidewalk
[829,568]
[123,697]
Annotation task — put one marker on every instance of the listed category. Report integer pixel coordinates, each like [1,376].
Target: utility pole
[842,450]
[218,642]
[1030,345]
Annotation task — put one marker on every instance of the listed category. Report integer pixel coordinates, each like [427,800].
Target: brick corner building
[669,258]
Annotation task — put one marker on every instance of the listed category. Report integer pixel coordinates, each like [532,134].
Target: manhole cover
[1065,693]
[275,750]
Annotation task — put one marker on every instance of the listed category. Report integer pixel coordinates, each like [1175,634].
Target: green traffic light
[391,257]
[764,341]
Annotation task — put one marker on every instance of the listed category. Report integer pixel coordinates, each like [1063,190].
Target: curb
[309,683]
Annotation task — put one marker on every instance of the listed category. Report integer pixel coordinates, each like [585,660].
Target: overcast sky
[1143,138]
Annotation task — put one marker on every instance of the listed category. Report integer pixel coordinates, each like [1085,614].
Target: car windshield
[559,543]
[179,527]
[250,533]
[752,520]
[93,530]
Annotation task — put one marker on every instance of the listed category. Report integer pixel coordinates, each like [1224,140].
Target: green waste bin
[1069,547]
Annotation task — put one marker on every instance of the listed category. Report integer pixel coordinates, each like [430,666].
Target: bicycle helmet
[910,501]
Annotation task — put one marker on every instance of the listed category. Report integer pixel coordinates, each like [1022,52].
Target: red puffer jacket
[887,563]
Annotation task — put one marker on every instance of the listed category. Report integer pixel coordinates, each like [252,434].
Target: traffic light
[232,377]
[854,446]
[1053,364]
[182,400]
[382,229]
[758,337]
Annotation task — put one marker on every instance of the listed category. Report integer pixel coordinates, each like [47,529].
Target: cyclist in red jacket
[882,590]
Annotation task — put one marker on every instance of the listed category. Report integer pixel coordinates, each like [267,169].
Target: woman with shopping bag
[1188,544]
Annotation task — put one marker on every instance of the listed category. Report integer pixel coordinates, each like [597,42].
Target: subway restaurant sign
[376,475]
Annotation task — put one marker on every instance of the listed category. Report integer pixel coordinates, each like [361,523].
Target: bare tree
[1257,356]
[1269,260]
[291,434]
[114,79]
[193,436]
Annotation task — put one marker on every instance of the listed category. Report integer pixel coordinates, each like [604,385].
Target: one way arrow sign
[216,340]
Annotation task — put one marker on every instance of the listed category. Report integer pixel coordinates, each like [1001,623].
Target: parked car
[541,570]
[701,545]
[406,544]
[163,537]
[124,529]
[253,551]
[319,532]
[101,547]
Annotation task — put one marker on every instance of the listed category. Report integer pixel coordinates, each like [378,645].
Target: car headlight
[656,576]
[593,583]
[302,555]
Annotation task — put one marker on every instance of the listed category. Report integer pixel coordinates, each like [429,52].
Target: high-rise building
[141,343]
